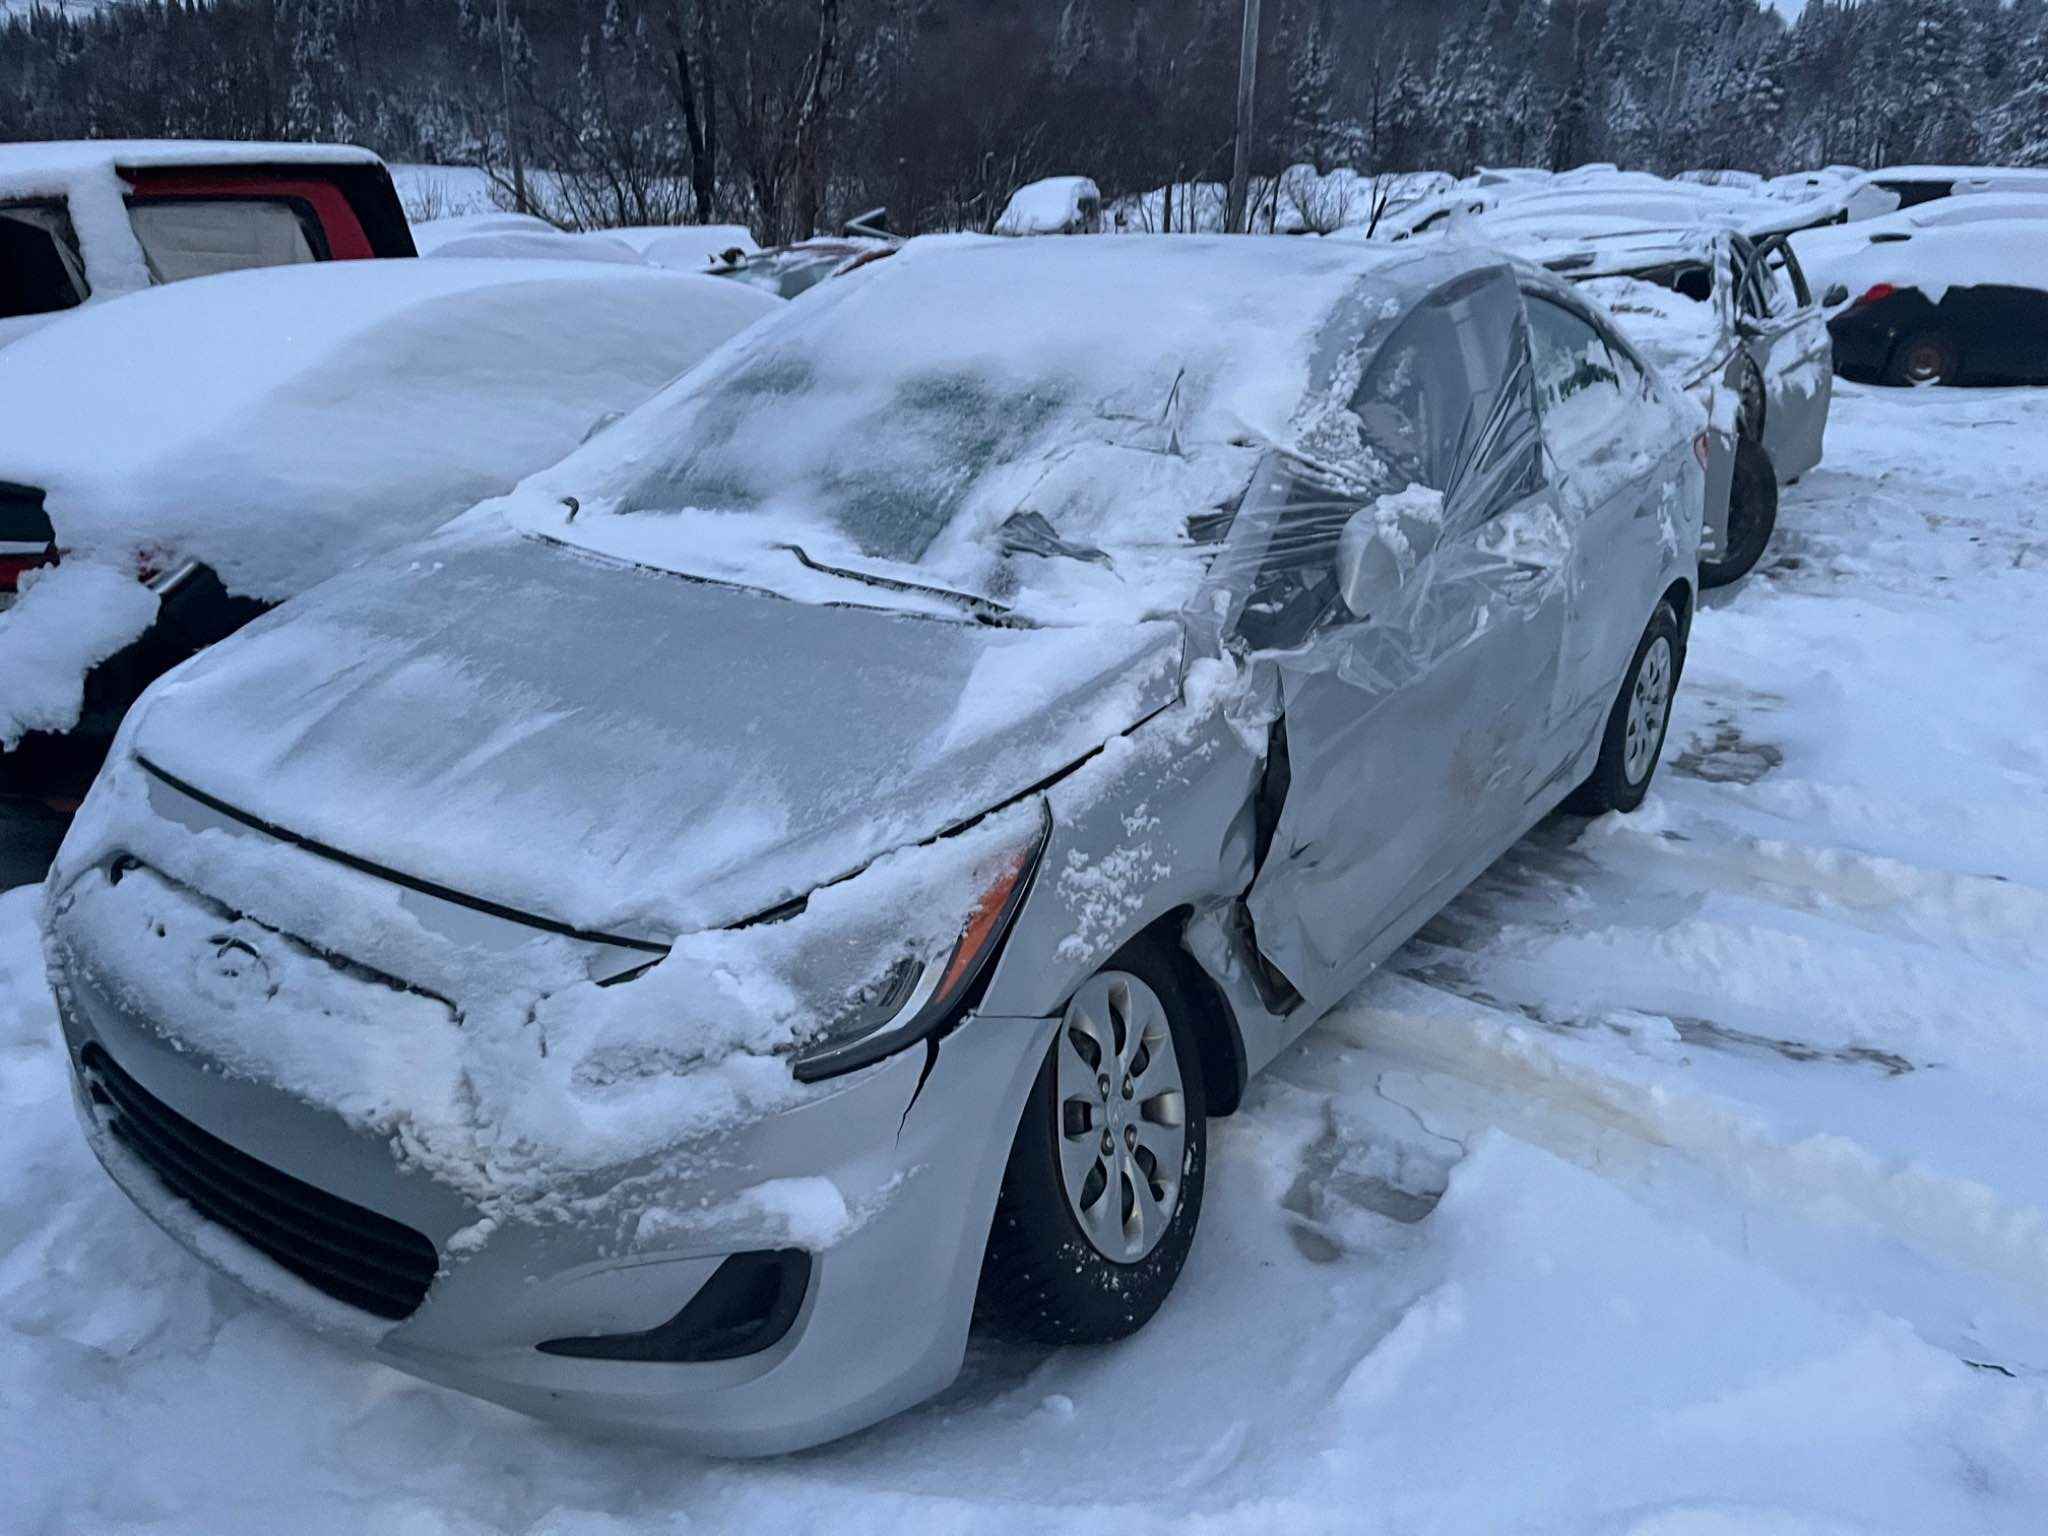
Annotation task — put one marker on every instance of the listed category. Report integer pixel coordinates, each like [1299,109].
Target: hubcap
[1925,363]
[1123,1115]
[1648,704]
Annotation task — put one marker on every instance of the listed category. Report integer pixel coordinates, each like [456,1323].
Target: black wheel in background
[1928,357]
[1752,515]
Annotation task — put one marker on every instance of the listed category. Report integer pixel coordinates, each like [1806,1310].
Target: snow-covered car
[1055,205]
[431,235]
[194,454]
[83,222]
[1896,187]
[1950,304]
[817,858]
[1826,253]
[1735,324]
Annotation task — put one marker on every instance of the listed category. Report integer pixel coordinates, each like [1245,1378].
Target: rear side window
[1582,384]
[40,270]
[196,237]
[1447,399]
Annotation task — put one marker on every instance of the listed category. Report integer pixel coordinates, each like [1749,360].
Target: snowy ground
[1733,1107]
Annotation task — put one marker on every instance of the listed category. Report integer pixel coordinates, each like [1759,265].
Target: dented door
[1785,336]
[1411,736]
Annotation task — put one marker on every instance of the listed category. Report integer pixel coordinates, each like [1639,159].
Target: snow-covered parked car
[1056,205]
[191,455]
[1827,253]
[1963,303]
[1896,187]
[659,952]
[1735,324]
[83,222]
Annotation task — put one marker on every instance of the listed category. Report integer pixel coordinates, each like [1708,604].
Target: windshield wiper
[986,609]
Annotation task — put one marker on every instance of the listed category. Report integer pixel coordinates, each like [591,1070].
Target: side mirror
[1836,294]
[1369,568]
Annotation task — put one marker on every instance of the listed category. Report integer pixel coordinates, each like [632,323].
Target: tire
[1752,515]
[1049,1274]
[1634,738]
[1927,357]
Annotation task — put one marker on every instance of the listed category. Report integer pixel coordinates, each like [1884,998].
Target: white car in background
[1897,187]
[179,461]
[1828,253]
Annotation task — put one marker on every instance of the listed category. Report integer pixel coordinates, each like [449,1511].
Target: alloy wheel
[1649,702]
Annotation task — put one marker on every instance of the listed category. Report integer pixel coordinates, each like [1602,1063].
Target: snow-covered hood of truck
[627,751]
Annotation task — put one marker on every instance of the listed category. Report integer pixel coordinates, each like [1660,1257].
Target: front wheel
[1928,358]
[1752,515]
[1634,737]
[1104,1184]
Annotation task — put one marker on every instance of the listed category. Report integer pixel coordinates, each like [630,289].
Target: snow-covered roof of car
[439,382]
[2011,253]
[896,418]
[68,156]
[429,235]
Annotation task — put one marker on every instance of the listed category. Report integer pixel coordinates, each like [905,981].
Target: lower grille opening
[750,1301]
[353,1254]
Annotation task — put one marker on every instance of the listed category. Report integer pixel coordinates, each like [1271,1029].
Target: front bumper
[914,1150]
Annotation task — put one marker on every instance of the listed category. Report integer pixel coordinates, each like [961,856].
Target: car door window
[1581,388]
[1789,293]
[40,270]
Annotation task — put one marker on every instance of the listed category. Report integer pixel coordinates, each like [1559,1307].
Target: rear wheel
[1634,737]
[1104,1184]
[1927,358]
[1752,515]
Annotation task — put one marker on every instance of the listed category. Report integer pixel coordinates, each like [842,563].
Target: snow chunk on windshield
[71,618]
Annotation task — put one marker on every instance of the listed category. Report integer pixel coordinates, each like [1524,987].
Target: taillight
[1876,293]
[26,538]
[1699,448]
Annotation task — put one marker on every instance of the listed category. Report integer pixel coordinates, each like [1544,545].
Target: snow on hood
[898,418]
[625,751]
[346,407]
[2009,253]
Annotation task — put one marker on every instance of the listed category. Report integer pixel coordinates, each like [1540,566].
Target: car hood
[625,751]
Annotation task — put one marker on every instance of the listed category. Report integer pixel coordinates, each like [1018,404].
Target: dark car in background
[1952,305]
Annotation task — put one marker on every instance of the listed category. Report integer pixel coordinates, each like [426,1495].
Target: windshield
[1022,486]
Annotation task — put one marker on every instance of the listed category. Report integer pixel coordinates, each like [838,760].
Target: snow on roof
[1113,386]
[2007,253]
[537,245]
[429,235]
[2001,173]
[65,157]
[1056,205]
[345,406]
[683,247]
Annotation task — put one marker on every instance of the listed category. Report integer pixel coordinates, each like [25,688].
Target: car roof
[69,156]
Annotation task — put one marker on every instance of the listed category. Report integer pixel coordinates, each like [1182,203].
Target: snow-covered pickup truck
[86,221]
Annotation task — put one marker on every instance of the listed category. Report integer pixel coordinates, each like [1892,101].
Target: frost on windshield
[903,418]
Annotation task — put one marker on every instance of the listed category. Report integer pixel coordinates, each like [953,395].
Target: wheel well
[1223,1068]
[1679,595]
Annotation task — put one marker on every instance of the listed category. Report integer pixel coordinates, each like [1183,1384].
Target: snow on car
[1952,303]
[1822,252]
[684,247]
[84,222]
[1896,187]
[205,449]
[1056,205]
[869,808]
[1683,1176]
[430,235]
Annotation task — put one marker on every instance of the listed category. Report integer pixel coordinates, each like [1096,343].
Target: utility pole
[519,198]
[1247,76]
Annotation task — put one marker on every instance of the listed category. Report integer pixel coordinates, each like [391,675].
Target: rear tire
[1752,515]
[1634,738]
[1927,357]
[1062,1267]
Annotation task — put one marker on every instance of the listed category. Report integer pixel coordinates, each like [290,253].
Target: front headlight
[920,992]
